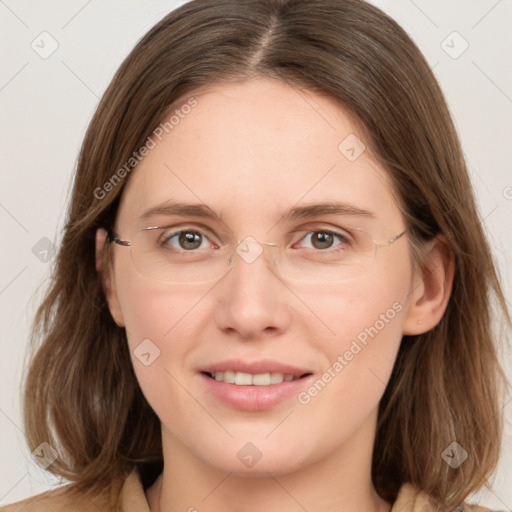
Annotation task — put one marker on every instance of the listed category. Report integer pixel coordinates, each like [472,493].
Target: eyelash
[343,239]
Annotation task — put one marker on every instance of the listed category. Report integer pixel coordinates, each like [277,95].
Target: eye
[184,240]
[324,239]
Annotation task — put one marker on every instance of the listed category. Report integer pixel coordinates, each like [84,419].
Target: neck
[340,481]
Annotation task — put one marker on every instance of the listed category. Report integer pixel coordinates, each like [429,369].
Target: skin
[251,150]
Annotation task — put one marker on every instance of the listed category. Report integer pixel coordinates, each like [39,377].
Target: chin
[248,460]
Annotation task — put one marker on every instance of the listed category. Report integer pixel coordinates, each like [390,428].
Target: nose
[252,301]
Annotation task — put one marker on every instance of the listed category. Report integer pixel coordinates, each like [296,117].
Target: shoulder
[123,495]
[409,499]
[57,500]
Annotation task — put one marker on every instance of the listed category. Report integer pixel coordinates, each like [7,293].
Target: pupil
[189,240]
[322,240]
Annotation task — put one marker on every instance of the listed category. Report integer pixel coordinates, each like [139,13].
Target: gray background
[46,104]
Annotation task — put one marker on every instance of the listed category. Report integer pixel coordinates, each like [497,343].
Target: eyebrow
[329,208]
[181,209]
[296,213]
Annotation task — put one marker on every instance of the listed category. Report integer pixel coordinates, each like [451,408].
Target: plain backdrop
[57,58]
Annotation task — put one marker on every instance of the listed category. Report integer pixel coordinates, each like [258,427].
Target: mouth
[249,379]
[253,385]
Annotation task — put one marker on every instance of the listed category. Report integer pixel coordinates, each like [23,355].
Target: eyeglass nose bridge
[249,249]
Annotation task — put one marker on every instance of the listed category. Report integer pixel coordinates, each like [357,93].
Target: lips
[254,385]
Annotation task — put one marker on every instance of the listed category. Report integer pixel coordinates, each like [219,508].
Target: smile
[253,392]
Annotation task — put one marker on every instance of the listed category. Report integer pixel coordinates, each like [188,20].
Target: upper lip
[255,367]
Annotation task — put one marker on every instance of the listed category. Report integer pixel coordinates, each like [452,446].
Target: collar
[409,499]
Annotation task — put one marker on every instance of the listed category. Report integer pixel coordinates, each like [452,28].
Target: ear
[432,287]
[104,268]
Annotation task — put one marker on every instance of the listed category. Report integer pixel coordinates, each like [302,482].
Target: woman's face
[251,152]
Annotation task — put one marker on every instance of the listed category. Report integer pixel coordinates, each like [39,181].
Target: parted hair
[81,394]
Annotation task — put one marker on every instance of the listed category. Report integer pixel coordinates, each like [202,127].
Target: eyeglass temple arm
[395,238]
[111,237]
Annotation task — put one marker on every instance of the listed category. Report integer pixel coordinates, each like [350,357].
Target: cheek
[160,321]
[152,309]
[366,319]
[362,309]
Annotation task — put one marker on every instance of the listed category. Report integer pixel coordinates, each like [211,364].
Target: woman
[271,263]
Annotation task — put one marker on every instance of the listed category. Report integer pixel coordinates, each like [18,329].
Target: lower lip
[254,398]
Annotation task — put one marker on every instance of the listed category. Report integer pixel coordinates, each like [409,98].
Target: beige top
[133,499]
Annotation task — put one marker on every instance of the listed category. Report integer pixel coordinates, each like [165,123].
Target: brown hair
[81,393]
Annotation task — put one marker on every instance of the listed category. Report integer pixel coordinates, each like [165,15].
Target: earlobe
[431,289]
[108,282]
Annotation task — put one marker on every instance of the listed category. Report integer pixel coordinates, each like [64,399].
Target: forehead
[253,149]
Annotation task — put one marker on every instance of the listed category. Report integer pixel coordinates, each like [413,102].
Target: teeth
[243,379]
[262,379]
[248,379]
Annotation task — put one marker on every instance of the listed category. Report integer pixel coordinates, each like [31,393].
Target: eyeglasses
[188,255]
